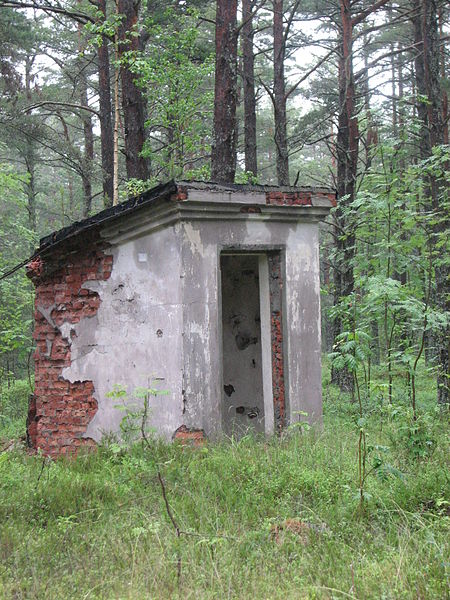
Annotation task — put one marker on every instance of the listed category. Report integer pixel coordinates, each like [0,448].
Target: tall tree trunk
[347,157]
[248,59]
[132,99]
[371,134]
[223,155]
[279,94]
[116,123]
[431,54]
[424,150]
[393,77]
[30,187]
[88,157]
[106,127]
[86,118]
[30,159]
[421,90]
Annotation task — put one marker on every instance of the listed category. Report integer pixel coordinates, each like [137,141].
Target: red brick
[61,410]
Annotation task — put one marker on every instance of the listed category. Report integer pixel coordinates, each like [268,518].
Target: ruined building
[214,290]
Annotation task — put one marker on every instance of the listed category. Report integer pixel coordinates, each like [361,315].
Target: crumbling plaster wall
[158,314]
[135,334]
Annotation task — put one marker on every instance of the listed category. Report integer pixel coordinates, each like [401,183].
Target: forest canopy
[101,100]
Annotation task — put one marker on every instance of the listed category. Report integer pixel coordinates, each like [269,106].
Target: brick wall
[189,436]
[276,334]
[297,198]
[60,410]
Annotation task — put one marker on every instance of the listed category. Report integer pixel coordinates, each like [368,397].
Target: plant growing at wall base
[134,424]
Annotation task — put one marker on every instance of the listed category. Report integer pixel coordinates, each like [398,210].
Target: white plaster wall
[135,335]
[302,323]
[160,316]
[202,243]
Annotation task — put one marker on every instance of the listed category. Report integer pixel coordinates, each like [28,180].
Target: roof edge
[160,191]
[175,190]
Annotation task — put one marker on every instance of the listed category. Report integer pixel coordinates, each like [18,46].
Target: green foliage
[135,187]
[136,408]
[246,177]
[15,292]
[176,79]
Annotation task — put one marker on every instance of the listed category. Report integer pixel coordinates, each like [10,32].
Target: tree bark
[88,157]
[443,76]
[347,156]
[106,127]
[435,129]
[371,133]
[132,99]
[248,59]
[279,94]
[86,118]
[223,155]
[30,159]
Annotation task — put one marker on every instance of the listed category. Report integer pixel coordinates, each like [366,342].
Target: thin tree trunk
[71,211]
[30,159]
[132,98]
[30,187]
[88,157]
[106,127]
[347,157]
[371,135]
[393,86]
[116,124]
[223,155]
[86,118]
[279,94]
[248,58]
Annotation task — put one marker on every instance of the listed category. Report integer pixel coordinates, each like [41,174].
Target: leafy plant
[136,407]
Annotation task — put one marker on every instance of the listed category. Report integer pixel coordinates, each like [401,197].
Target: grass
[97,527]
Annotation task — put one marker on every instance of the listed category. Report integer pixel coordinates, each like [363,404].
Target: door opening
[247,403]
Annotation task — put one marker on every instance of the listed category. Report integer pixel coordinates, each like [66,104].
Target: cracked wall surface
[299,373]
[140,299]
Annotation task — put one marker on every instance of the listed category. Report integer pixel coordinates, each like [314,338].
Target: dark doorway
[243,343]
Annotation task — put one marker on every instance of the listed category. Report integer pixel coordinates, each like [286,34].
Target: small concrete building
[211,290]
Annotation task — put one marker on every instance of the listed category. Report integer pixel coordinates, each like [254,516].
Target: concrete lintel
[226,197]
[319,200]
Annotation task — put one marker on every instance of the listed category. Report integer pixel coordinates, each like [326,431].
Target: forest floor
[258,518]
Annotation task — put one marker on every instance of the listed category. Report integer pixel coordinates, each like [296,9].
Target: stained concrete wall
[202,242]
[160,315]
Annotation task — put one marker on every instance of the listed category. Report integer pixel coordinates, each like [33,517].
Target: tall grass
[97,527]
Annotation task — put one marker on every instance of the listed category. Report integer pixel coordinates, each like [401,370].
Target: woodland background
[100,100]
